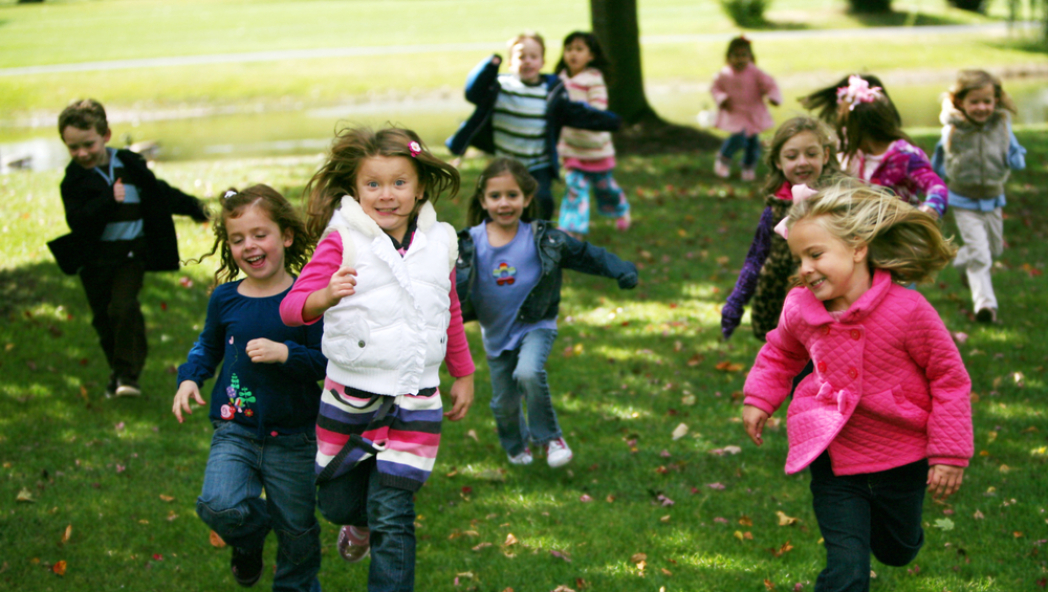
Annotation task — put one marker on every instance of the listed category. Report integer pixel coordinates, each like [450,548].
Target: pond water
[309,131]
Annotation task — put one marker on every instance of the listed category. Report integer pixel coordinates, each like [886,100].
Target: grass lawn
[77,31]
[628,369]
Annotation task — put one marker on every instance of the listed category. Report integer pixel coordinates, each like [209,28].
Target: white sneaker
[557,453]
[524,458]
[722,168]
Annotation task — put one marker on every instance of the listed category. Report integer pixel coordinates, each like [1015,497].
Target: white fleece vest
[390,337]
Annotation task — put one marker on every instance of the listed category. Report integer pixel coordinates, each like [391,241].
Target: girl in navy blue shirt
[265,401]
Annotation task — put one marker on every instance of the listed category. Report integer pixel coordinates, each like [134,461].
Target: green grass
[620,394]
[79,31]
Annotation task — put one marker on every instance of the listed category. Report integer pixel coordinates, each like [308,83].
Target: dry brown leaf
[665,571]
[59,568]
[638,557]
[769,584]
[727,366]
[216,541]
[695,360]
[510,540]
[483,545]
[745,520]
[68,533]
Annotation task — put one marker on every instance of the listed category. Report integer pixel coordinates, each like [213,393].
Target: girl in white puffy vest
[383,279]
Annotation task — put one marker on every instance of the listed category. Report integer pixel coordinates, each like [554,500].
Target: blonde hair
[969,80]
[900,238]
[527,35]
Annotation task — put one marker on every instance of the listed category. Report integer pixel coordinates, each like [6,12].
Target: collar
[814,312]
[353,215]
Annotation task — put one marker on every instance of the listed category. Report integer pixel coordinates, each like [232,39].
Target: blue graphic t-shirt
[505,277]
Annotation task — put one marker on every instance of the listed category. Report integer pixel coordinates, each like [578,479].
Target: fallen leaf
[727,366]
[158,557]
[680,431]
[665,518]
[585,498]
[166,498]
[960,337]
[688,399]
[483,545]
[785,520]
[785,548]
[560,555]
[944,523]
[695,360]
[473,434]
[720,520]
[745,520]
[510,540]
[638,558]
[216,541]
[769,584]
[717,486]
[68,533]
[59,568]
[978,515]
[24,495]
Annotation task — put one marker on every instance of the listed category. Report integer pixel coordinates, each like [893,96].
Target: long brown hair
[278,209]
[352,146]
[969,80]
[789,129]
[861,122]
[503,165]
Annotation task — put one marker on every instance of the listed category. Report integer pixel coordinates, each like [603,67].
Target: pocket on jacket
[892,406]
[346,337]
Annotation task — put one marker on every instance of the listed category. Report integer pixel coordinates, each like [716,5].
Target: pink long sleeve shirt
[327,258]
[889,386]
[747,91]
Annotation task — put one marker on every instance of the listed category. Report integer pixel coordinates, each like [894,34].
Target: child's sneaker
[524,458]
[722,167]
[354,544]
[748,175]
[125,387]
[111,387]
[623,223]
[986,315]
[557,453]
[246,566]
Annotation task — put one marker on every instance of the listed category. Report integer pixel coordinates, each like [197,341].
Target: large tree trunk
[644,132]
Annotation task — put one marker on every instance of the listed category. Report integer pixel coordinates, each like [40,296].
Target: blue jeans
[544,194]
[859,514]
[740,141]
[238,468]
[519,376]
[360,499]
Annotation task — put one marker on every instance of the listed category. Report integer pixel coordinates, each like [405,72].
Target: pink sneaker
[354,544]
[748,175]
[722,168]
[623,223]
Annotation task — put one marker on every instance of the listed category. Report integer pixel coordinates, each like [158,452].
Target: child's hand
[118,191]
[264,351]
[944,480]
[928,209]
[461,397]
[754,418]
[343,283]
[187,389]
[496,60]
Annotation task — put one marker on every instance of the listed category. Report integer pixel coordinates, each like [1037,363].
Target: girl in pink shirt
[739,91]
[886,413]
[383,279]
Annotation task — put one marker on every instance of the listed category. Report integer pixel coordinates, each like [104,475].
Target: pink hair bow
[858,91]
[800,193]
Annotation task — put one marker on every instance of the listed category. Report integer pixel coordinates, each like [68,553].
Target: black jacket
[557,250]
[89,206]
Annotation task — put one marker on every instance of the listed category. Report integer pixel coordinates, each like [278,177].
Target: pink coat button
[853,373]
[856,334]
[274,433]
[822,367]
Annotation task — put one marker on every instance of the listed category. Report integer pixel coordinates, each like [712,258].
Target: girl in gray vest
[975,155]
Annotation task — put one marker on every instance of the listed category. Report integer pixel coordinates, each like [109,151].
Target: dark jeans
[238,469]
[544,194]
[112,293]
[859,514]
[360,499]
[751,146]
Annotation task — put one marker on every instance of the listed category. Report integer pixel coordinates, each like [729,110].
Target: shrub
[870,6]
[746,13]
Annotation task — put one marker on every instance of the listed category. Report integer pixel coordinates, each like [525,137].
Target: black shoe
[986,315]
[126,387]
[111,387]
[246,566]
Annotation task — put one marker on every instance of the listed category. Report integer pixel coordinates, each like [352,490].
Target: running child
[886,413]
[739,90]
[119,215]
[265,399]
[975,154]
[509,277]
[875,149]
[589,157]
[521,114]
[801,153]
[383,279]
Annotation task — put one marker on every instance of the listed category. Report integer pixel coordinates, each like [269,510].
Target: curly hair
[969,80]
[901,239]
[503,165]
[278,209]
[351,147]
[789,129]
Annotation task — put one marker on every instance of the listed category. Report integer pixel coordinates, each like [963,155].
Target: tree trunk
[643,132]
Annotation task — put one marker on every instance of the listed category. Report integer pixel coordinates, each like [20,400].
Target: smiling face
[801,158]
[526,59]
[257,245]
[86,146]
[388,189]
[577,55]
[836,273]
[979,104]
[504,201]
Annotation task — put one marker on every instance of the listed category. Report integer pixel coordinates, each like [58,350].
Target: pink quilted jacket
[889,386]
[747,90]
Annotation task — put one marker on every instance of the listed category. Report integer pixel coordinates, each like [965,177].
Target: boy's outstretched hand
[944,480]
[754,418]
[187,389]
[461,398]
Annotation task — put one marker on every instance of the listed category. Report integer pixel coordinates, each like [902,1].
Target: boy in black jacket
[120,217]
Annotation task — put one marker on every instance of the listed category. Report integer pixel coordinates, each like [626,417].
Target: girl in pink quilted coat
[739,91]
[886,413]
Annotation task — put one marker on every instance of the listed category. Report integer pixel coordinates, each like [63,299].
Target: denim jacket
[482,89]
[556,250]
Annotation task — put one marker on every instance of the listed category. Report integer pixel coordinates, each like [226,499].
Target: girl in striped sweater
[589,156]
[383,280]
